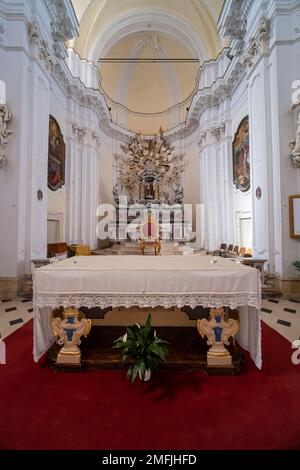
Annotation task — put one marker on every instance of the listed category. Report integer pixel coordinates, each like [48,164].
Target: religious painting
[294,208]
[56,156]
[241,156]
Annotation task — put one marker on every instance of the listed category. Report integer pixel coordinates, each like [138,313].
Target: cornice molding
[39,48]
[233,18]
[258,45]
[64,24]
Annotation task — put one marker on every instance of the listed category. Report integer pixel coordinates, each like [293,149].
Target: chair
[221,251]
[223,247]
[229,249]
[83,250]
[150,234]
[58,250]
[242,251]
[236,250]
[248,253]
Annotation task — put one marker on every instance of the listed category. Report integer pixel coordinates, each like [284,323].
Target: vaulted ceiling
[161,29]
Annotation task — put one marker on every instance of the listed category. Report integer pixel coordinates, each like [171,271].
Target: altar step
[131,248]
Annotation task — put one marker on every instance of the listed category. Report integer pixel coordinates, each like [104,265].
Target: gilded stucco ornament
[218,332]
[69,330]
[5,117]
[150,171]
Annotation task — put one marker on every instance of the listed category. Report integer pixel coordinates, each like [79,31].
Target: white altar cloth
[148,281]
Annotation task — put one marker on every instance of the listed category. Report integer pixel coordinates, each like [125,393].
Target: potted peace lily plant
[142,346]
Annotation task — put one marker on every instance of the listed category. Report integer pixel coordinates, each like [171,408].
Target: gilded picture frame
[241,156]
[294,212]
[56,156]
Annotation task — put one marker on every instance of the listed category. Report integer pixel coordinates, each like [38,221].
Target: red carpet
[41,409]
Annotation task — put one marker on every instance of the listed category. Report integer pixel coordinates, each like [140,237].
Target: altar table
[152,281]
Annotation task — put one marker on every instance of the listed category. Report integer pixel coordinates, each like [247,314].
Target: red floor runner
[41,409]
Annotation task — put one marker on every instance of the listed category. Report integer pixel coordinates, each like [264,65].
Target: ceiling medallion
[151,39]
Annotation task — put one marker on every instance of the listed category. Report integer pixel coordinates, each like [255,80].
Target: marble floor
[280,314]
[13,315]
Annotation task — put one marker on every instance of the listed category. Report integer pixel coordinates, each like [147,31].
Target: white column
[205,189]
[70,185]
[85,192]
[259,148]
[210,192]
[227,207]
[74,195]
[39,116]
[94,191]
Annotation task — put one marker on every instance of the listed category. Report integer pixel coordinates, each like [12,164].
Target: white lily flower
[154,334]
[138,325]
[125,338]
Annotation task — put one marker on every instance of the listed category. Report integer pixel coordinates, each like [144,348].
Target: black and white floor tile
[280,314]
[13,315]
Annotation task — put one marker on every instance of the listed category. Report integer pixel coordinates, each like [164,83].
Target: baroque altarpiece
[149,172]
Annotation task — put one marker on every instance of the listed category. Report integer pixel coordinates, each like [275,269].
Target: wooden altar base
[187,351]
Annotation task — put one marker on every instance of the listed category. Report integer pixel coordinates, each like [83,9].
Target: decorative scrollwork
[218,331]
[147,161]
[5,117]
[69,331]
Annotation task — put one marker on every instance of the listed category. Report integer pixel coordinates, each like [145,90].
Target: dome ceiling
[143,29]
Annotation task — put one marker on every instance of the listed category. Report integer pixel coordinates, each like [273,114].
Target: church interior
[149,224]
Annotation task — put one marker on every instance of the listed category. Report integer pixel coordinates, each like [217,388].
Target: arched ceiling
[97,16]
[148,29]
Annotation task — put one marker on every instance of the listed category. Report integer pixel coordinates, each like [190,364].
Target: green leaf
[145,350]
[134,372]
[147,328]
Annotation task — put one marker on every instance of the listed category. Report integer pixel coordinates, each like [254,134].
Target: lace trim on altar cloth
[233,300]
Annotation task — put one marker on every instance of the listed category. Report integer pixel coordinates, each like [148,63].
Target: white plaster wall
[287,178]
[272,126]
[13,180]
[107,177]
[58,109]
[242,203]
[32,94]
[191,180]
